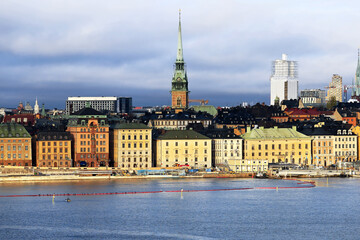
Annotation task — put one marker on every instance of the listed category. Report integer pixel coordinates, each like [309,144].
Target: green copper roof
[207,108]
[357,77]
[12,130]
[181,134]
[130,126]
[273,133]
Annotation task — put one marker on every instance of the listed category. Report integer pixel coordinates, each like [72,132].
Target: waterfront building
[323,146]
[110,104]
[15,145]
[53,149]
[132,145]
[335,88]
[179,84]
[90,132]
[226,146]
[283,80]
[277,145]
[313,97]
[183,148]
[245,165]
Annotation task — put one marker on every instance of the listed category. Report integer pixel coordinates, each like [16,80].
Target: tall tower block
[179,85]
[283,80]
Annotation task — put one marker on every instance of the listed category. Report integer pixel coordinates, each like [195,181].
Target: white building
[112,104]
[284,80]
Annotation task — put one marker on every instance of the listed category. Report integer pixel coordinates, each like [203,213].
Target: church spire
[357,76]
[179,56]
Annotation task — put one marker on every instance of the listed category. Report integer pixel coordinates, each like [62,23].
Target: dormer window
[349,132]
[339,132]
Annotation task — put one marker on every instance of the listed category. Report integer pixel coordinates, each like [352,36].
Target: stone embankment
[316,173]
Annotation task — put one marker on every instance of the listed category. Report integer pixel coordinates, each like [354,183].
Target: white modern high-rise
[284,80]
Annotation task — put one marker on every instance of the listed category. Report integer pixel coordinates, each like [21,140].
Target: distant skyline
[55,49]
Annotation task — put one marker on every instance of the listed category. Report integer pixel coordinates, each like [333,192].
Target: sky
[55,49]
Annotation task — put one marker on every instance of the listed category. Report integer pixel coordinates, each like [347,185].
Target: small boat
[67,200]
[260,175]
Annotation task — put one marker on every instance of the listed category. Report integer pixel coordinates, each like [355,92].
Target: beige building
[277,145]
[183,148]
[131,147]
[335,88]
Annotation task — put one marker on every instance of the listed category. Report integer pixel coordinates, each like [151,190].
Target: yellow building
[15,145]
[277,145]
[53,149]
[183,148]
[131,147]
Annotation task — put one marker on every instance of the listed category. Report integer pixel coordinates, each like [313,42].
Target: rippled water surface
[328,211]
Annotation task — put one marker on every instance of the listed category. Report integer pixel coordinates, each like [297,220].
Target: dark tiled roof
[87,111]
[181,134]
[130,126]
[53,136]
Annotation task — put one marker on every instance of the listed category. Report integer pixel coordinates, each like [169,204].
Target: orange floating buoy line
[311,185]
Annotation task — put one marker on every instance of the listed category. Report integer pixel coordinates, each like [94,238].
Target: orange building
[53,149]
[15,145]
[90,132]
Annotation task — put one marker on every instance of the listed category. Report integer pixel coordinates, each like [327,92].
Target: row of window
[14,156]
[279,146]
[50,164]
[134,165]
[275,154]
[344,145]
[84,136]
[186,144]
[97,129]
[102,156]
[55,150]
[129,153]
[134,137]
[55,143]
[19,147]
[55,157]
[82,143]
[134,159]
[185,151]
[135,145]
[102,149]
[20,140]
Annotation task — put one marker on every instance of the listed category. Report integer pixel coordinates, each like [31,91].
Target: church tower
[179,84]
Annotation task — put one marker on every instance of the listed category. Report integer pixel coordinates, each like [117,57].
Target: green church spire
[179,57]
[357,76]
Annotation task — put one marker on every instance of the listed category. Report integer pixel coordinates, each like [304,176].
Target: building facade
[313,97]
[111,104]
[132,145]
[90,132]
[277,145]
[179,83]
[15,145]
[335,88]
[284,80]
[183,148]
[53,149]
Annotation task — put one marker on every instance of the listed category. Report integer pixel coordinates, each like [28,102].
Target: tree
[331,103]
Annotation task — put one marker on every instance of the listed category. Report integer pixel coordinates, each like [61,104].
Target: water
[325,212]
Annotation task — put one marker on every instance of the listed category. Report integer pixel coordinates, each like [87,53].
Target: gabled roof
[181,134]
